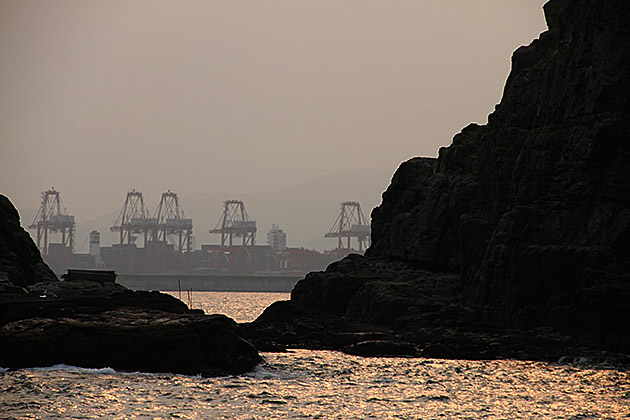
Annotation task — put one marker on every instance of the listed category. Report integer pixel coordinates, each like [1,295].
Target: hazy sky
[98,97]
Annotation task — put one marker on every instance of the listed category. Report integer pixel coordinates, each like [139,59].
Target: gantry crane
[132,220]
[235,222]
[52,217]
[171,220]
[351,223]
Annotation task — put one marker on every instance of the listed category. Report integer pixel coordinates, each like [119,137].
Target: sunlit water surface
[320,384]
[242,307]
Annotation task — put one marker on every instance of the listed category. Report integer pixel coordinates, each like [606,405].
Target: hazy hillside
[304,211]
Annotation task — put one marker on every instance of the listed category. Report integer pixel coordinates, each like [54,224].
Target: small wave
[102,371]
[77,369]
[260,372]
[263,394]
[278,402]
[271,373]
[437,398]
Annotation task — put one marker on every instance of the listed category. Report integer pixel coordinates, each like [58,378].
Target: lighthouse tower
[95,248]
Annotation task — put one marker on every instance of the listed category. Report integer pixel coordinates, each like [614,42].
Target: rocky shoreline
[515,241]
[389,309]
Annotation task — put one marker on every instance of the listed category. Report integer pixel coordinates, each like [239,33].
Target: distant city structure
[95,249]
[276,238]
[163,242]
[52,219]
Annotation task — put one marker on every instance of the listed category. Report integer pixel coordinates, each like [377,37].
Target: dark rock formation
[520,228]
[67,299]
[20,261]
[130,339]
[533,209]
[44,321]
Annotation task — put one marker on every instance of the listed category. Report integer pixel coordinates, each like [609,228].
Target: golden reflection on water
[318,384]
[310,385]
[240,306]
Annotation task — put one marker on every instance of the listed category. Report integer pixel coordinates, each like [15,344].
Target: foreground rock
[369,307]
[515,241]
[44,321]
[130,340]
[106,325]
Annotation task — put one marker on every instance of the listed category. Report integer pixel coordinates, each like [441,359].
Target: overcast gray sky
[98,97]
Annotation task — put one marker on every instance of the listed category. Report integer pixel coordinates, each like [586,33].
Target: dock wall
[211,283]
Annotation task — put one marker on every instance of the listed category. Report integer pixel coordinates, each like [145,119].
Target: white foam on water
[260,372]
[77,369]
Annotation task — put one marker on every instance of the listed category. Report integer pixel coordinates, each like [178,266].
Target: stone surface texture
[521,227]
[532,210]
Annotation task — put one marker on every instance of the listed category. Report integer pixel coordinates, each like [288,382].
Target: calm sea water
[306,384]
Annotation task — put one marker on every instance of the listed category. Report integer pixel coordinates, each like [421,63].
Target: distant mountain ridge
[305,211]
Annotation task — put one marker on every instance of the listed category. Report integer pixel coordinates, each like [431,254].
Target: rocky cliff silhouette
[20,262]
[515,241]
